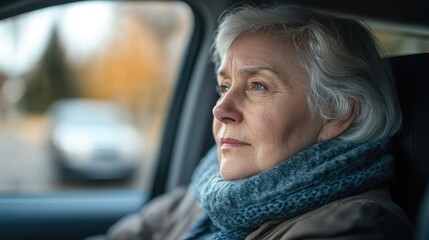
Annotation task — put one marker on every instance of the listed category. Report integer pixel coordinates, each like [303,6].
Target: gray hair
[341,57]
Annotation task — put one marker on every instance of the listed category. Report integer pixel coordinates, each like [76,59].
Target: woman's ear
[335,127]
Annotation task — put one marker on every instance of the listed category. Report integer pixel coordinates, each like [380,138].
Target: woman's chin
[229,176]
[230,170]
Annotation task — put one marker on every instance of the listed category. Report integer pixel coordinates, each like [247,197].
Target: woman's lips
[232,143]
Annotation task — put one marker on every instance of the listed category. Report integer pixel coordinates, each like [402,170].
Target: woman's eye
[258,86]
[222,89]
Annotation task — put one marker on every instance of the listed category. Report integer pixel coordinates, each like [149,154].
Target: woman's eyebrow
[250,71]
[220,73]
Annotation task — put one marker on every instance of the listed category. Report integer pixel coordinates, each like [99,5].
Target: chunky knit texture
[322,173]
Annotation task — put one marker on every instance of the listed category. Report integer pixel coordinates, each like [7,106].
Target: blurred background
[123,56]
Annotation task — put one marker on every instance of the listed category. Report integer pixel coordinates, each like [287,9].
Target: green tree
[50,80]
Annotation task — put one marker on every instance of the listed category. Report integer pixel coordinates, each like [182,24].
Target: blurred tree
[50,80]
[127,66]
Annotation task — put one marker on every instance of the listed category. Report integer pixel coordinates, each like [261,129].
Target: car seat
[411,143]
[422,231]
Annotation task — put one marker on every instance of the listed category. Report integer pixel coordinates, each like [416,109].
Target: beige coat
[367,216]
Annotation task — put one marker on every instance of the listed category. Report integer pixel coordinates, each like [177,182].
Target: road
[26,166]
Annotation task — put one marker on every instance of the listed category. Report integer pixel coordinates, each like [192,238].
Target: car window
[399,39]
[84,91]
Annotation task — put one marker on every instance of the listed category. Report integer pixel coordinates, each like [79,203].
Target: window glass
[84,91]
[401,40]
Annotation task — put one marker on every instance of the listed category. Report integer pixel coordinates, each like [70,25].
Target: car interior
[187,133]
[411,166]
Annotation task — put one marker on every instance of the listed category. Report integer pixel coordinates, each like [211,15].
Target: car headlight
[75,146]
[131,145]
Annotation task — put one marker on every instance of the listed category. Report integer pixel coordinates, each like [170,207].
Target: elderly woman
[302,129]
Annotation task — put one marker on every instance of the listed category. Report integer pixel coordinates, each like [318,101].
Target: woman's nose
[227,109]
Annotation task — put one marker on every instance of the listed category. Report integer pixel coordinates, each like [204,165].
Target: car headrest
[411,143]
[412,80]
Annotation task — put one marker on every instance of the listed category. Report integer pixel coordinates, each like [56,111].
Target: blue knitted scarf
[322,173]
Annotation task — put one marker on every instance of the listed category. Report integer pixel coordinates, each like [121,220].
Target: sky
[82,26]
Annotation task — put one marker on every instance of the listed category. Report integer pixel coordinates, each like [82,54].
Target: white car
[93,139]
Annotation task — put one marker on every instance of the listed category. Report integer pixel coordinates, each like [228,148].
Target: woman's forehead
[258,51]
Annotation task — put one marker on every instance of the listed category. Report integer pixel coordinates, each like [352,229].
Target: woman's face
[262,116]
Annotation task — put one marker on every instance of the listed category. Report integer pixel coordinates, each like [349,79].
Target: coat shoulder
[369,215]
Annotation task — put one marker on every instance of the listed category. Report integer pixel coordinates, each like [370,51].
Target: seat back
[411,143]
[422,229]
